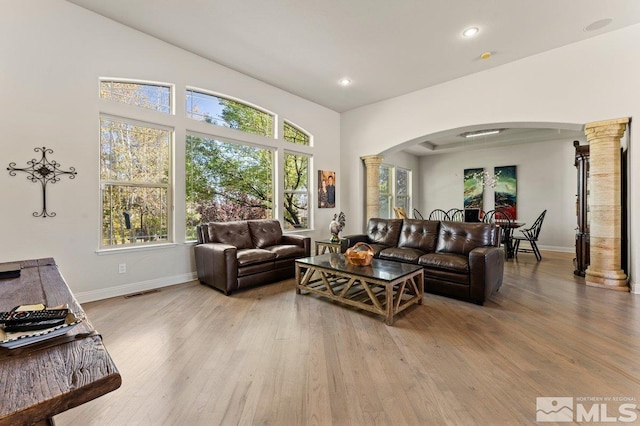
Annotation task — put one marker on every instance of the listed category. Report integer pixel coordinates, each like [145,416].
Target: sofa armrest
[486,268]
[217,266]
[298,240]
[349,240]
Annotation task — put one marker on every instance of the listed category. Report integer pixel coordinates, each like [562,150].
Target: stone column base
[612,280]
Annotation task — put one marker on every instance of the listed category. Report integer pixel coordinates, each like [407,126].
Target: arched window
[226,112]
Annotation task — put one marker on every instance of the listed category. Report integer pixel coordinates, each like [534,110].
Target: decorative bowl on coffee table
[361,254]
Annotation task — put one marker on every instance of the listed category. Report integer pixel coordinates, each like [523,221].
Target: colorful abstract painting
[473,188]
[505,190]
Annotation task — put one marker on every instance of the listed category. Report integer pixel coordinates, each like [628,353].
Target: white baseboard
[634,287]
[91,296]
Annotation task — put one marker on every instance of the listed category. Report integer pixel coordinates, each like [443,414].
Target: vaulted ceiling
[385,48]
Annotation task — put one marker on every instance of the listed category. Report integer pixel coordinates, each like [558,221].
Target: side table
[327,246]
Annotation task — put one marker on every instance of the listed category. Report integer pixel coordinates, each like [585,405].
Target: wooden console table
[44,379]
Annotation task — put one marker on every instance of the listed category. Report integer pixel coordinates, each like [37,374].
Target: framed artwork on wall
[473,188]
[326,189]
[505,190]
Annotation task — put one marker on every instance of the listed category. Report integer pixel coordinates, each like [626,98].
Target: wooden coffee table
[384,287]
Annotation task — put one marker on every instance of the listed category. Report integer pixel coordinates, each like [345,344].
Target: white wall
[546,181]
[593,80]
[52,54]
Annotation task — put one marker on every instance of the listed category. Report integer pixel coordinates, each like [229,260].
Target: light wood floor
[190,355]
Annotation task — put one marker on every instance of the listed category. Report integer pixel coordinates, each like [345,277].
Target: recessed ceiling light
[470,32]
[485,55]
[598,24]
[345,81]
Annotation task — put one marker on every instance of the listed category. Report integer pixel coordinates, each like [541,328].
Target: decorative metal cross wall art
[43,171]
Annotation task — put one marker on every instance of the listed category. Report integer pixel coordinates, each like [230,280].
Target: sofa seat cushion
[253,256]
[286,250]
[401,254]
[451,262]
[256,268]
[377,248]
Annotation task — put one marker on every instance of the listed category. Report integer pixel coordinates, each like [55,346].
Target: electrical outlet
[122,268]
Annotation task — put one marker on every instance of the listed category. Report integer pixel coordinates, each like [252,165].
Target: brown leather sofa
[460,259]
[240,254]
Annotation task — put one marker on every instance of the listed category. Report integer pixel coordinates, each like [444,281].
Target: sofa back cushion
[419,234]
[384,231]
[265,233]
[232,233]
[462,237]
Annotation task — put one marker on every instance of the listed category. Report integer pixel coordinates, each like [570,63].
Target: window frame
[409,195]
[169,185]
[390,184]
[392,195]
[227,140]
[306,192]
[180,126]
[273,115]
[299,129]
[171,87]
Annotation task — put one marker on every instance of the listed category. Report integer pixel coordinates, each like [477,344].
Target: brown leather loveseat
[460,259]
[240,254]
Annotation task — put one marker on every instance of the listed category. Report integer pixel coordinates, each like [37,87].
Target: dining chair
[497,214]
[530,235]
[417,214]
[504,221]
[438,214]
[488,216]
[456,215]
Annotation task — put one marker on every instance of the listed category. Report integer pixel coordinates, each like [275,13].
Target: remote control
[18,317]
[37,325]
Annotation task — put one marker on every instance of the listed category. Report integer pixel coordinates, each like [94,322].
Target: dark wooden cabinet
[581,262]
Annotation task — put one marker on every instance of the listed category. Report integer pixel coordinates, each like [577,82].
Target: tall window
[135,172]
[403,189]
[395,190]
[226,181]
[385,195]
[296,191]
[296,180]
[225,112]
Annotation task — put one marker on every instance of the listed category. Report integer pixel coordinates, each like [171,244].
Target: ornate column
[372,162]
[605,204]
